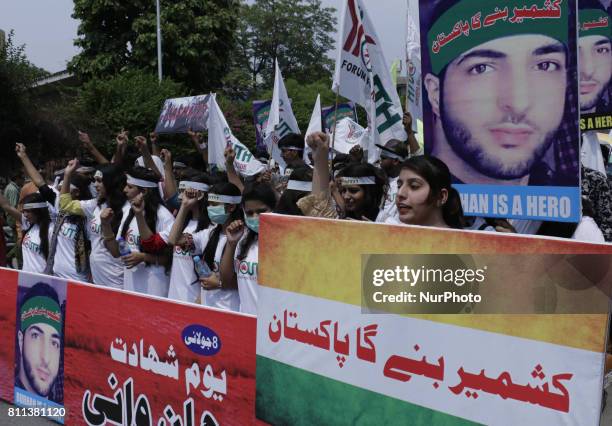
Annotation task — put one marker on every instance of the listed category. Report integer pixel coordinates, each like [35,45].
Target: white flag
[362,74]
[281,120]
[414,99]
[315,125]
[220,136]
[348,135]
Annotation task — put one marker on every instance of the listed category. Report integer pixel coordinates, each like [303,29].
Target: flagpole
[335,125]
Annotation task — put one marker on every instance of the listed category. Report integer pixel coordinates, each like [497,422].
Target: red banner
[131,359]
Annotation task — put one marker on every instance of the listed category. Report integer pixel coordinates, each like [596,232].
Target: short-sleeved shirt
[222,299]
[33,258]
[184,283]
[246,276]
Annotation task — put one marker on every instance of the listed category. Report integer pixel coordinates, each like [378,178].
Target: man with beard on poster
[499,90]
[595,57]
[40,341]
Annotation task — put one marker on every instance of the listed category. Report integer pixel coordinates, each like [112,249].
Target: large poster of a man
[39,381]
[595,64]
[501,104]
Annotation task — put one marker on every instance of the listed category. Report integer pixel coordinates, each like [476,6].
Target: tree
[297,32]
[132,101]
[197,37]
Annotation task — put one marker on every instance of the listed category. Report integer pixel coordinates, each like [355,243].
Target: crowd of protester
[175,228]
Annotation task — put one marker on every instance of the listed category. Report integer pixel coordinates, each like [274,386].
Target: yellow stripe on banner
[322,258]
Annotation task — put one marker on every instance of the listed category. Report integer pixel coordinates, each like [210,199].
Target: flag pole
[335,125]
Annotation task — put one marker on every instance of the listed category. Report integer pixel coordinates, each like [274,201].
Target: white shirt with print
[246,275]
[33,258]
[184,283]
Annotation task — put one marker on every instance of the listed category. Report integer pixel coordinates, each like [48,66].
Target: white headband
[98,174]
[227,199]
[300,185]
[85,169]
[178,164]
[30,206]
[141,183]
[367,180]
[194,185]
[292,148]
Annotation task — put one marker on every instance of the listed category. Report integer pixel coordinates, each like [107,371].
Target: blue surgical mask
[252,223]
[217,214]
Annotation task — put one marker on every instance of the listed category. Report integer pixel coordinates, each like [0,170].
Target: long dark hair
[257,192]
[152,200]
[287,204]
[223,188]
[203,220]
[437,175]
[82,183]
[42,219]
[113,180]
[373,193]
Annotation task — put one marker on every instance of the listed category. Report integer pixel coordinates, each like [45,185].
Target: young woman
[109,181]
[299,186]
[192,218]
[68,248]
[240,259]
[37,230]
[425,196]
[143,272]
[223,208]
[362,186]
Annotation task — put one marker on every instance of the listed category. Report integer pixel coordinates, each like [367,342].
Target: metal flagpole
[159,47]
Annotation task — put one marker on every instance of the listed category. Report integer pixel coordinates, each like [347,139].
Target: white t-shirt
[105,269]
[389,210]
[33,258]
[246,275]
[222,299]
[184,283]
[64,261]
[142,278]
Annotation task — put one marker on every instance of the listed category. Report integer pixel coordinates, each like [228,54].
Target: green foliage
[131,100]
[197,36]
[297,32]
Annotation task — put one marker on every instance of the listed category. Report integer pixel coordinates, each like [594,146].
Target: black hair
[438,177]
[203,221]
[113,180]
[257,192]
[223,188]
[43,220]
[152,199]
[287,204]
[82,183]
[292,140]
[373,193]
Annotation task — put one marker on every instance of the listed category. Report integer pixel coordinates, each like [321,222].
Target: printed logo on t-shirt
[132,239]
[69,231]
[179,251]
[94,227]
[246,268]
[31,245]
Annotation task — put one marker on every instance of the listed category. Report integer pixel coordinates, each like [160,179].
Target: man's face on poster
[502,102]
[595,61]
[40,353]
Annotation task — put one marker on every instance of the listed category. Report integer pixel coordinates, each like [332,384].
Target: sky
[48,31]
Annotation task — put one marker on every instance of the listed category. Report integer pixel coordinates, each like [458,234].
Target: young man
[498,91]
[40,340]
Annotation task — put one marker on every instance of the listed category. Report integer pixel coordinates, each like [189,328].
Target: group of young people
[168,229]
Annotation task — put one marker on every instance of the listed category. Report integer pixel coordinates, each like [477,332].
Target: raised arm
[138,206]
[122,141]
[155,150]
[6,206]
[170,186]
[234,232]
[232,176]
[141,143]
[88,144]
[200,146]
[108,234]
[189,200]
[319,143]
[34,175]
[413,144]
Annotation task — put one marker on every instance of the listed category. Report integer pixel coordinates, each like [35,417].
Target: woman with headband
[241,256]
[223,208]
[143,272]
[192,218]
[36,222]
[362,186]
[109,181]
[299,186]
[69,248]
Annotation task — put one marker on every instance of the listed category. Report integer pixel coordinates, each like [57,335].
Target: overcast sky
[48,31]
